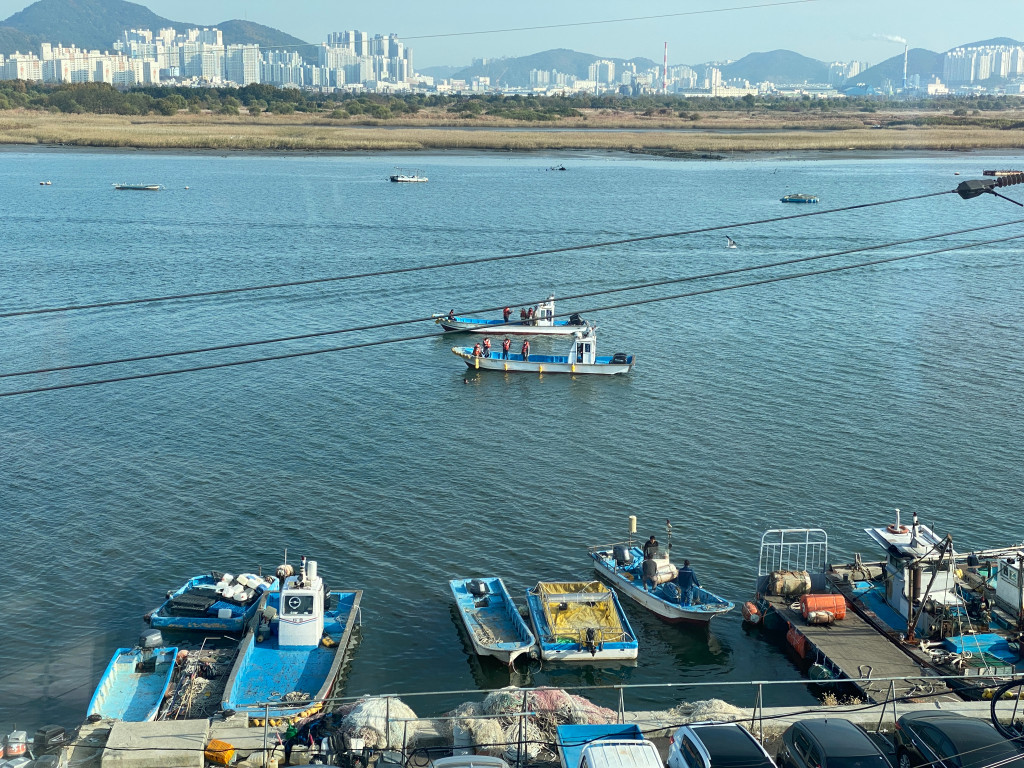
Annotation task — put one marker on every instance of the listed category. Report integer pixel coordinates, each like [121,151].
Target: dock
[854,652]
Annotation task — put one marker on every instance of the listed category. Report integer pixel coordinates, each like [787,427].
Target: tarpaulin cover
[573,607]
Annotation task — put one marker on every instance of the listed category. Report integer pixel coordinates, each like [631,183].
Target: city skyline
[452,33]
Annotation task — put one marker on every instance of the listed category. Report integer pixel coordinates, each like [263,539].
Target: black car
[949,740]
[829,743]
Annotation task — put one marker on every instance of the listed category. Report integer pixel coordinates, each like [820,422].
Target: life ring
[897,529]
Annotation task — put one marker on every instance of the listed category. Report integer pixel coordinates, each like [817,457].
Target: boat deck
[130,695]
[493,625]
[854,650]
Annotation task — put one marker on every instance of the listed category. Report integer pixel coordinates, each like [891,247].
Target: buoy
[820,617]
[573,367]
[540,369]
[476,363]
[506,366]
[797,641]
[750,613]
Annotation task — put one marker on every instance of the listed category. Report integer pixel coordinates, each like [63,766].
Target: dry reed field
[722,133]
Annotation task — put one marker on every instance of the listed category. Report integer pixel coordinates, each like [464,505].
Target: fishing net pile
[496,726]
[709,709]
[373,721]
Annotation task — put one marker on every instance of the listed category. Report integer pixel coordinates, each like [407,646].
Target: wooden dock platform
[855,651]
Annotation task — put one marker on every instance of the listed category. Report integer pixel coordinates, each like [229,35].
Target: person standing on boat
[507,311]
[451,314]
[686,580]
[650,572]
[526,350]
[650,547]
[477,352]
[487,346]
[506,345]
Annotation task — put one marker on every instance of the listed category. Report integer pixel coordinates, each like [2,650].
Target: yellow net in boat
[572,608]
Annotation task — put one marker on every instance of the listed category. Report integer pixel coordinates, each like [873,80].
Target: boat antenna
[668,530]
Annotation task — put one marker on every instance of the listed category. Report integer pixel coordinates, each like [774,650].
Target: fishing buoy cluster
[240,589]
[750,613]
[285,720]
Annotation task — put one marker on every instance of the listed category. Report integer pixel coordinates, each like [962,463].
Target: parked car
[949,740]
[829,742]
[716,745]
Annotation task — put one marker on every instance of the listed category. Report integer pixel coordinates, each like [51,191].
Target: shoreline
[719,138]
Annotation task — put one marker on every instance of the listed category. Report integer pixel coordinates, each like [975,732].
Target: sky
[828,30]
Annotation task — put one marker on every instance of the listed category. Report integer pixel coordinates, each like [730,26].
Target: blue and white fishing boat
[581,358]
[580,621]
[134,683]
[213,602]
[796,197]
[541,322]
[292,658]
[676,596]
[492,619]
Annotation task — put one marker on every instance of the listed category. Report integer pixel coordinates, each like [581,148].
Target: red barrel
[797,641]
[834,604]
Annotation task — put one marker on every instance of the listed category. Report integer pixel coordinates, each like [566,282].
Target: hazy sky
[822,29]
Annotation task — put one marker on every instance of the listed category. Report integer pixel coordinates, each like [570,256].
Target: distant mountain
[96,24]
[516,71]
[993,41]
[440,72]
[780,67]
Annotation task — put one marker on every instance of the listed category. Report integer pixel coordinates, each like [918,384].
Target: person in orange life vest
[476,350]
[526,350]
[487,347]
[506,312]
[506,345]
[522,314]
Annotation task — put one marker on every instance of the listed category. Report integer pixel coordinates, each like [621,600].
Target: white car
[716,745]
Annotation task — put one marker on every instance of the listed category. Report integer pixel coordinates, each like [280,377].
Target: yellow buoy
[476,363]
[540,369]
[573,367]
[506,366]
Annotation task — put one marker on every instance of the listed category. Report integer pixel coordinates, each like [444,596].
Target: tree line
[260,99]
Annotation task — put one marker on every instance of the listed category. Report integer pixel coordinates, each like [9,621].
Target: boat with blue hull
[135,681]
[492,619]
[674,595]
[581,358]
[293,656]
[537,321]
[213,602]
[580,621]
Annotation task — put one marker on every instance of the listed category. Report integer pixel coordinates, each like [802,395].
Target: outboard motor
[148,641]
[591,641]
[620,358]
[575,319]
[622,555]
[478,588]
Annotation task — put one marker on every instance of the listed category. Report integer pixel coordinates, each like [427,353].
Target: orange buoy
[834,604]
[797,641]
[750,613]
[892,528]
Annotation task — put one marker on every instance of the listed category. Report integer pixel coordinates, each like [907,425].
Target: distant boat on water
[799,198]
[407,176]
[139,187]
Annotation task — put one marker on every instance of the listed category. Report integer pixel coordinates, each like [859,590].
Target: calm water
[820,401]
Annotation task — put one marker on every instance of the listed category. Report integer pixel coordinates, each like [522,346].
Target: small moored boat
[582,358]
[535,321]
[492,619]
[134,683]
[138,187]
[405,176]
[676,596]
[799,198]
[213,602]
[295,653]
[580,621]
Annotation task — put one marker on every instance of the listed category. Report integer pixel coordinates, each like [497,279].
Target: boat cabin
[584,347]
[919,566]
[1010,583]
[301,614]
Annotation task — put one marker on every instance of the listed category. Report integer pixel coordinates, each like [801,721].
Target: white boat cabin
[1010,583]
[301,614]
[919,566]
[584,347]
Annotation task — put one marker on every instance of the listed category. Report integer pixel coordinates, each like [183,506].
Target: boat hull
[501,328]
[124,693]
[697,614]
[263,670]
[492,621]
[542,363]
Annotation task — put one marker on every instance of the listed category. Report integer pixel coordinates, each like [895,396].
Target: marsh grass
[316,133]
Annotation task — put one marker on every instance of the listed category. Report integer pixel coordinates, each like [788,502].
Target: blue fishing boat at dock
[133,685]
[580,621]
[212,602]
[492,619]
[288,662]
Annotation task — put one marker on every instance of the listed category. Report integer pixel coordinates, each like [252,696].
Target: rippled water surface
[825,400]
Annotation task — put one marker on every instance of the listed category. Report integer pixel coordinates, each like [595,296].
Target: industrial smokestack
[905,49]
